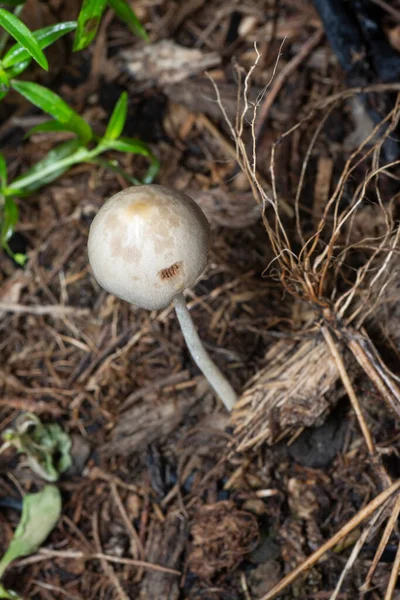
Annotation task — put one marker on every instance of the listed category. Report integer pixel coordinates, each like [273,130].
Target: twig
[32,406]
[112,559]
[349,389]
[97,473]
[389,8]
[363,514]
[44,554]
[136,544]
[356,551]
[46,309]
[393,576]
[382,381]
[107,568]
[382,544]
[54,588]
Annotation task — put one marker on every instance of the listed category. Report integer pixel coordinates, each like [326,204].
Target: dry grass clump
[295,388]
[325,261]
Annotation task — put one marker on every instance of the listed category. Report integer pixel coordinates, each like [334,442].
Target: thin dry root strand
[306,274]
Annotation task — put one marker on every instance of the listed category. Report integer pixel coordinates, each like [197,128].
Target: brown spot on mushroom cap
[171,271]
[138,209]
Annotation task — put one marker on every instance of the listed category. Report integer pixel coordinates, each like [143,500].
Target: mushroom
[146,245]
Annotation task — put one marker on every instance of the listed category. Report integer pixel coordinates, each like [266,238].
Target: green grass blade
[118,118]
[88,22]
[17,69]
[16,28]
[59,153]
[9,220]
[113,166]
[4,80]
[132,145]
[3,171]
[152,171]
[55,106]
[3,75]
[4,37]
[8,594]
[13,2]
[126,14]
[44,37]
[46,127]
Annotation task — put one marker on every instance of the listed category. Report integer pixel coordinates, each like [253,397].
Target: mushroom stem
[200,355]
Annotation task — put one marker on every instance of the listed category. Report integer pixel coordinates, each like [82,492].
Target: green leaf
[4,79]
[19,258]
[127,15]
[40,513]
[46,127]
[118,118]
[17,69]
[112,165]
[9,220]
[55,106]
[8,594]
[44,37]
[59,153]
[88,22]
[133,145]
[16,28]
[152,171]
[13,2]
[47,447]
[3,171]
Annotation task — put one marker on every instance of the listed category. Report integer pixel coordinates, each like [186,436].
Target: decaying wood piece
[301,381]
[297,387]
[165,546]
[198,90]
[236,211]
[166,63]
[146,423]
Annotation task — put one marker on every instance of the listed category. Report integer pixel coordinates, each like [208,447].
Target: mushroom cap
[147,244]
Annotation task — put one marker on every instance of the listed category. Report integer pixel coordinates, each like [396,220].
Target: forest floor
[298,306]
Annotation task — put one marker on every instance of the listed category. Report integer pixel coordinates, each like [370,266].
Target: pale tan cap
[147,244]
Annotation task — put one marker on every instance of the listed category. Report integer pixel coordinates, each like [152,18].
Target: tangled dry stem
[321,273]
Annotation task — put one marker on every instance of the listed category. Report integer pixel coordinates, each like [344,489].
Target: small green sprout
[40,513]
[47,447]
